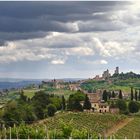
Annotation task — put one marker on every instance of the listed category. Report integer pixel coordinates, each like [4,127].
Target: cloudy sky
[68,39]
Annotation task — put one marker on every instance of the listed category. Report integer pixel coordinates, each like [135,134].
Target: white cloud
[82,51]
[58,62]
[56,48]
[103,62]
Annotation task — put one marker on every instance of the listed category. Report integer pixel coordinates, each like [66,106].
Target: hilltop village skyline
[99,76]
[106,74]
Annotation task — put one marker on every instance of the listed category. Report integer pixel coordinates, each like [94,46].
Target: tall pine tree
[87,104]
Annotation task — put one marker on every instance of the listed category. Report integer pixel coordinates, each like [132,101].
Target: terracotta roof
[93,97]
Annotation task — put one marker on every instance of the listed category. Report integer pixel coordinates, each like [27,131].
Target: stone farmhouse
[97,104]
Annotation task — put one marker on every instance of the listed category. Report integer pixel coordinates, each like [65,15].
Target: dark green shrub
[51,109]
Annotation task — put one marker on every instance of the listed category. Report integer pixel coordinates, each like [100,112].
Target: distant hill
[126,75]
[18,84]
[123,81]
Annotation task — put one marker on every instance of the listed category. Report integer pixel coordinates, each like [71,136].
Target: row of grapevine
[29,132]
[98,123]
[131,130]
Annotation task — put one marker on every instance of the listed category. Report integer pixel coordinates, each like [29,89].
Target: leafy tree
[77,106]
[136,95]
[39,111]
[120,94]
[51,109]
[79,95]
[133,106]
[56,101]
[105,95]
[40,102]
[87,104]
[22,96]
[70,102]
[12,117]
[121,104]
[27,113]
[75,98]
[112,105]
[132,96]
[41,98]
[63,103]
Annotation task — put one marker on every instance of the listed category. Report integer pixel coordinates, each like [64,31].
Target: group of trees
[40,106]
[135,95]
[29,110]
[126,75]
[107,95]
[126,107]
[75,99]
[132,106]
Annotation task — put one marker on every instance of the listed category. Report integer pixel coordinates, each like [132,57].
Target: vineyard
[65,125]
[131,130]
[97,123]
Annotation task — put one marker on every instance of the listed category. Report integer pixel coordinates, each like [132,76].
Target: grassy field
[130,131]
[60,92]
[30,92]
[97,123]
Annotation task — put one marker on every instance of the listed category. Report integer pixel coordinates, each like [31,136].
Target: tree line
[133,105]
[29,110]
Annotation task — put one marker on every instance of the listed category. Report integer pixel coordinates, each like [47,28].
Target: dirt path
[116,127]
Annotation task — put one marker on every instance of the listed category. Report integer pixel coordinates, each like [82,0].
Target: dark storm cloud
[17,36]
[36,9]
[23,20]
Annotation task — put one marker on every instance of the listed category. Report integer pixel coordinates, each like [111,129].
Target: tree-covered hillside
[116,82]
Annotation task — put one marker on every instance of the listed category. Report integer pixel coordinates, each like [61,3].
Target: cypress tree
[139,95]
[105,95]
[87,104]
[63,103]
[109,94]
[120,94]
[132,94]
[113,94]
[136,95]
